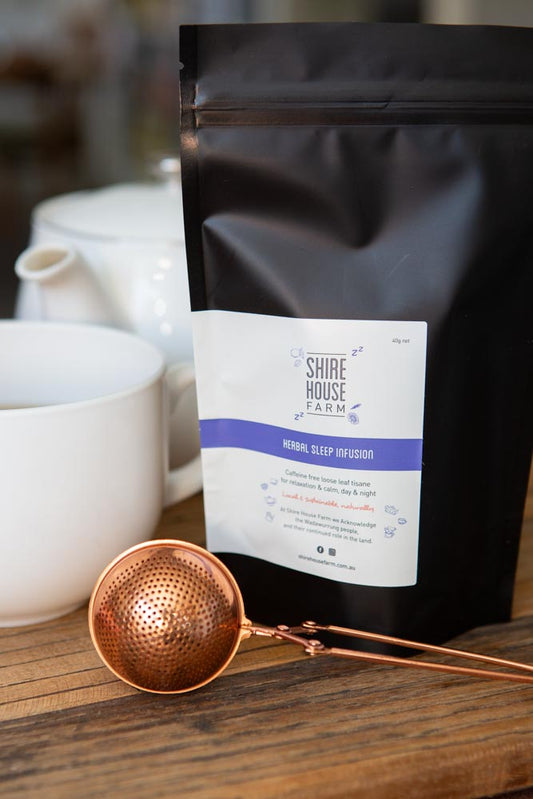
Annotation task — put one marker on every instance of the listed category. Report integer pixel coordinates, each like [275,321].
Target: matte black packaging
[382,171]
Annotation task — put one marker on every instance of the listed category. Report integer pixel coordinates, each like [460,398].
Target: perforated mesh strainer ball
[167,617]
[164,618]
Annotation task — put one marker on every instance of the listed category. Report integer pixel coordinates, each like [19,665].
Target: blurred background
[89,88]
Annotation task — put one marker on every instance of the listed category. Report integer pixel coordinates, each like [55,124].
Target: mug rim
[137,386]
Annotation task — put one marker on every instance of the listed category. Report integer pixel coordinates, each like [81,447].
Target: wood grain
[276,724]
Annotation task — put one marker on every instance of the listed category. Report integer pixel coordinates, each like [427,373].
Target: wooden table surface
[275,724]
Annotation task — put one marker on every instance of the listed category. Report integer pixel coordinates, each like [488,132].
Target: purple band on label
[377,454]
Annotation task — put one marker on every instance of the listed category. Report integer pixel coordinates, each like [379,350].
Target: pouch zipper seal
[358,113]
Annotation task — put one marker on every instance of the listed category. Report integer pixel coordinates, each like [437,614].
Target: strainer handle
[312,626]
[390,660]
[314,647]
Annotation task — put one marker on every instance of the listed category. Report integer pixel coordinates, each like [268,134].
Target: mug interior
[48,363]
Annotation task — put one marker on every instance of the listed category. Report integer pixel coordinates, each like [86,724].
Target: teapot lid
[127,210]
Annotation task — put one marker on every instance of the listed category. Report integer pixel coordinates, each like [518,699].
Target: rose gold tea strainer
[168,616]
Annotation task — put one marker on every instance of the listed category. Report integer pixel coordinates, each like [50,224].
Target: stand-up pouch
[359,226]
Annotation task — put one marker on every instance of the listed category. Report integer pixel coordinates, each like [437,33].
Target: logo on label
[325,381]
[325,384]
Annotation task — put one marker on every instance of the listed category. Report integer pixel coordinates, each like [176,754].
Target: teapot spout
[65,287]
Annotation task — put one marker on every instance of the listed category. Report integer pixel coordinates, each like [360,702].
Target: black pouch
[359,227]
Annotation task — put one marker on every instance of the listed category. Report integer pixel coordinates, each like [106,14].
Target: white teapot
[116,256]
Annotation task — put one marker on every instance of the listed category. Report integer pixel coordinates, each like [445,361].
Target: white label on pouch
[311,435]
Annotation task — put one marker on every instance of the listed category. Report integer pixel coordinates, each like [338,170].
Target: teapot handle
[185,480]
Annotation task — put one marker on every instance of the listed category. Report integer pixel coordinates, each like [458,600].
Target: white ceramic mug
[83,459]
